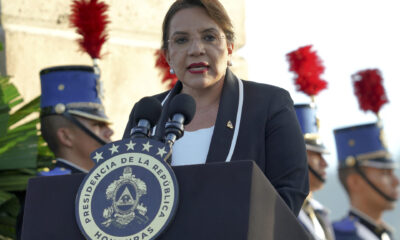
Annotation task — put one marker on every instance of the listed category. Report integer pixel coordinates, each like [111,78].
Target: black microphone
[181,111]
[147,113]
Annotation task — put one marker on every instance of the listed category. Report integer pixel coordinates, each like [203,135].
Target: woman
[234,119]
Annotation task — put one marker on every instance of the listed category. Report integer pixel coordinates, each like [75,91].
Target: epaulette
[345,229]
[55,172]
[347,224]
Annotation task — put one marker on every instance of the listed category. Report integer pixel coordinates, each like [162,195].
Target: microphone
[147,113]
[181,111]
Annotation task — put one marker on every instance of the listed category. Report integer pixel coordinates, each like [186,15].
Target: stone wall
[37,35]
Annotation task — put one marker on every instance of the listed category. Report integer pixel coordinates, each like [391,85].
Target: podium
[232,201]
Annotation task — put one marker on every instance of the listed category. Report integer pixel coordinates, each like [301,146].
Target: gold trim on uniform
[372,155]
[59,108]
[383,139]
[311,136]
[351,160]
[90,116]
[86,105]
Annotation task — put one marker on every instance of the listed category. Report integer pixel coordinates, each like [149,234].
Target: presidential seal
[131,193]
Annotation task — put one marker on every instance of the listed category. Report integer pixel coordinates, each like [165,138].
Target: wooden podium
[216,201]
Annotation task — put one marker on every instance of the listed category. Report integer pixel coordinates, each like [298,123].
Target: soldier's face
[85,144]
[318,163]
[386,181]
[101,129]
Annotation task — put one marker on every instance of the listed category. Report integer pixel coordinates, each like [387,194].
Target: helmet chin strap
[85,129]
[380,192]
[317,175]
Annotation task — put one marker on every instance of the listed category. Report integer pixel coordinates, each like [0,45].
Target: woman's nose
[196,47]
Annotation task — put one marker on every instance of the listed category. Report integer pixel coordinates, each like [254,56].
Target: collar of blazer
[227,125]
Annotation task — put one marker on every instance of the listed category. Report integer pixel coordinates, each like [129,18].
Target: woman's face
[197,49]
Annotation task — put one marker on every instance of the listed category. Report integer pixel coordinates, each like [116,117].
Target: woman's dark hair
[213,8]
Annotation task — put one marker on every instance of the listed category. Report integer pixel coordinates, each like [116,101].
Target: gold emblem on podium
[131,193]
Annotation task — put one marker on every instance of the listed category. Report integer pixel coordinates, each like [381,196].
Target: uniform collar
[317,205]
[68,165]
[373,226]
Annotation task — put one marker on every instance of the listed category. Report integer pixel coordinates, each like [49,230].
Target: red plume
[90,19]
[307,66]
[164,68]
[369,90]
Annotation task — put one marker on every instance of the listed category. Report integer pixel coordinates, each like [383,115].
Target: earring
[229,63]
[171,71]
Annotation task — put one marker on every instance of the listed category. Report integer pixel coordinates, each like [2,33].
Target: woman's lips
[198,68]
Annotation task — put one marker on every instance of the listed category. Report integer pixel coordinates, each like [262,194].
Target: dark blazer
[268,134]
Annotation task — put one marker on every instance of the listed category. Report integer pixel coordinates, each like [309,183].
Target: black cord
[362,174]
[85,129]
[317,175]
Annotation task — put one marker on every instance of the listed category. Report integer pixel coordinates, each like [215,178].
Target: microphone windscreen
[148,108]
[183,104]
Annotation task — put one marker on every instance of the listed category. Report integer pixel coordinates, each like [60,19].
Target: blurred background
[348,36]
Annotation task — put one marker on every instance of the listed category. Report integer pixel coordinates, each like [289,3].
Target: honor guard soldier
[313,214]
[72,118]
[366,173]
[366,169]
[73,121]
[307,66]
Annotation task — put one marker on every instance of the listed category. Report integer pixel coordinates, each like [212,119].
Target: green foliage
[9,208]
[22,152]
[4,108]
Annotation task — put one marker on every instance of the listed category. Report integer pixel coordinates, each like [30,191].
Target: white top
[235,133]
[192,148]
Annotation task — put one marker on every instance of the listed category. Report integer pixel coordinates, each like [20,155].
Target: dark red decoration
[308,67]
[163,65]
[369,89]
[90,19]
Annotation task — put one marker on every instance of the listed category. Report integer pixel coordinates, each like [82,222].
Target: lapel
[221,140]
[160,127]
[225,124]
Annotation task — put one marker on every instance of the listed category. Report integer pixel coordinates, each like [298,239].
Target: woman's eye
[209,38]
[180,40]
